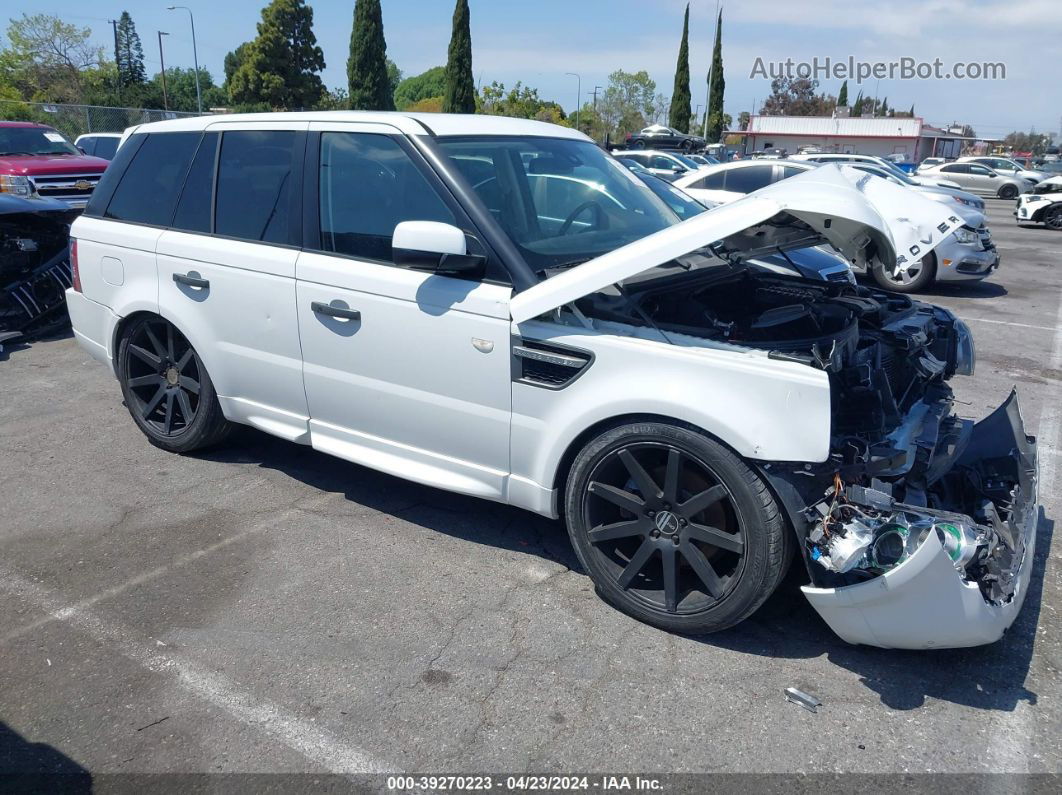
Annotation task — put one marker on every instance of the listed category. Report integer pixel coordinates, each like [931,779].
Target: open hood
[869,220]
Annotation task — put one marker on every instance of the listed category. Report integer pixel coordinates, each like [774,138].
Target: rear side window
[254,185]
[105,147]
[149,188]
[711,182]
[105,188]
[368,186]
[193,209]
[746,180]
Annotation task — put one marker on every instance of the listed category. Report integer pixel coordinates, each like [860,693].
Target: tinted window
[105,147]
[791,171]
[368,185]
[982,170]
[957,168]
[713,181]
[193,208]
[88,146]
[746,180]
[254,185]
[149,188]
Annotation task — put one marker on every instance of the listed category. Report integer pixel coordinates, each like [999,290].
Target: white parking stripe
[1010,323]
[1010,746]
[302,736]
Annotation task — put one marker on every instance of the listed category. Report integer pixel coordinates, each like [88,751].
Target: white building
[912,138]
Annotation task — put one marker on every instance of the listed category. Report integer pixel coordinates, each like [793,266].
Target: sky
[537,42]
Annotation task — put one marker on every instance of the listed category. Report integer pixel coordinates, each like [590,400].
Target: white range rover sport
[497,307]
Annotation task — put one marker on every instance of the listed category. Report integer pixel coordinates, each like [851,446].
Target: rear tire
[1053,218]
[639,144]
[674,528]
[1008,192]
[167,389]
[919,276]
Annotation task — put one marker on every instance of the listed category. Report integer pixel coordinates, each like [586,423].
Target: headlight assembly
[964,235]
[17,184]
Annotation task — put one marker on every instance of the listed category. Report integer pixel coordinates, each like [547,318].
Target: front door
[405,371]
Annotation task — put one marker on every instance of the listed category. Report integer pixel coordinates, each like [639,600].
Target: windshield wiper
[565,265]
[4,154]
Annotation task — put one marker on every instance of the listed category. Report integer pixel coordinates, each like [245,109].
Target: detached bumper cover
[924,602]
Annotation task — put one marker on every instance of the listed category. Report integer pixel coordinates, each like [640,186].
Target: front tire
[918,276]
[673,528]
[167,389]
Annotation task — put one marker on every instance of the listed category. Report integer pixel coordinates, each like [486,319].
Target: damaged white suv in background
[497,307]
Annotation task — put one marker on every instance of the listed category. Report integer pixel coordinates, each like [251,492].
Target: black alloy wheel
[163,376]
[166,387]
[676,530]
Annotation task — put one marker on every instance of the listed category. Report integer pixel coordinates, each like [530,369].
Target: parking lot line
[299,735]
[1010,323]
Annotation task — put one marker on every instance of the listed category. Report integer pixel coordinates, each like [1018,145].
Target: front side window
[604,206]
[149,188]
[254,185]
[369,185]
[34,141]
[106,147]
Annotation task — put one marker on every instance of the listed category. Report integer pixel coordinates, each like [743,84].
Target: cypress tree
[460,94]
[716,85]
[842,96]
[367,78]
[130,53]
[885,107]
[679,115]
[857,108]
[912,110]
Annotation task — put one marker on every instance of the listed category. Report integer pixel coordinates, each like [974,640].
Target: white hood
[869,220]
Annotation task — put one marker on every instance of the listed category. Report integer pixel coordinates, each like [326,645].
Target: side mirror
[433,246]
[679,169]
[81,149]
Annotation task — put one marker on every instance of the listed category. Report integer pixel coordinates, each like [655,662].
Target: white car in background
[979,179]
[388,289]
[967,254]
[1006,167]
[666,165]
[888,165]
[1041,205]
[103,145]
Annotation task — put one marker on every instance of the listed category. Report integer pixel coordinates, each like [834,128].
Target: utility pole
[117,61]
[578,95]
[195,57]
[162,63]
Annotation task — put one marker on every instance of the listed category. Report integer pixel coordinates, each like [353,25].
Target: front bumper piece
[924,603]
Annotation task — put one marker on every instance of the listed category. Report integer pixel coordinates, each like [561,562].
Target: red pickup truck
[36,159]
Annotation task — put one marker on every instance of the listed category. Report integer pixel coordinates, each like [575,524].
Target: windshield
[691,164]
[560,201]
[680,202]
[34,141]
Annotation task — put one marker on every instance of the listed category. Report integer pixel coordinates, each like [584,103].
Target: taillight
[73,265]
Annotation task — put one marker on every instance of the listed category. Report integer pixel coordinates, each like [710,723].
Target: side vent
[548,365]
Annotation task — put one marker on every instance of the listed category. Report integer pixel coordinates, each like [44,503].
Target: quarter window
[148,189]
[369,185]
[254,185]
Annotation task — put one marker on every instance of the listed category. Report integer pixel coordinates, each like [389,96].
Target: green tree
[911,111]
[394,76]
[426,85]
[842,96]
[679,115]
[281,67]
[857,108]
[460,91]
[367,74]
[520,101]
[743,120]
[629,99]
[716,86]
[884,109]
[49,58]
[129,53]
[797,97]
[234,59]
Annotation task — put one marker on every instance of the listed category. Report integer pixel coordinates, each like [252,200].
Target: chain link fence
[75,120]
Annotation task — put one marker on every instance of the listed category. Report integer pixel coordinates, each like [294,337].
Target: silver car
[980,179]
[666,165]
[1006,167]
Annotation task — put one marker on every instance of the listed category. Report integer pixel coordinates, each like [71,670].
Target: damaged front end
[34,264]
[938,556]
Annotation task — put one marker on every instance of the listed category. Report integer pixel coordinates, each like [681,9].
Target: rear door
[227,270]
[413,376]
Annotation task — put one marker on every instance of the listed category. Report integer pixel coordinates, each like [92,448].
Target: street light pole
[195,57]
[162,63]
[578,95]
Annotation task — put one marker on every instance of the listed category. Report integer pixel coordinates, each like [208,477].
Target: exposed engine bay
[34,264]
[903,469]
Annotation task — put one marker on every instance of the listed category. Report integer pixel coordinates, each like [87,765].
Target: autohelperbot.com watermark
[904,68]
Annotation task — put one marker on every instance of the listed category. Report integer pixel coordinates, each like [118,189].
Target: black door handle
[322,308]
[191,281]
